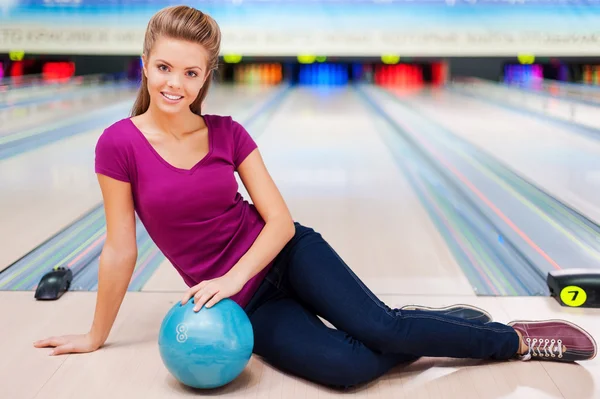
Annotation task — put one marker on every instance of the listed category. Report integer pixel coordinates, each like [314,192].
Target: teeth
[170,97]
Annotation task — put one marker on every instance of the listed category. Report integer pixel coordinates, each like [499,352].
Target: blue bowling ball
[209,348]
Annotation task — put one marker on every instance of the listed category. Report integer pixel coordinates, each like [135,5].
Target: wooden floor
[338,177]
[129,366]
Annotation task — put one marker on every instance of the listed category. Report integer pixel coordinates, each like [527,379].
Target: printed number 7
[575,294]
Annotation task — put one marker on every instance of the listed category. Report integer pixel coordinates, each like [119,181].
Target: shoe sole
[446,308]
[587,334]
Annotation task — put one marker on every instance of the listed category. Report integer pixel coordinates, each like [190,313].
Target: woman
[175,167]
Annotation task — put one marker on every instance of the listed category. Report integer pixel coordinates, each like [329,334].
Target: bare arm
[117,262]
[118,257]
[279,225]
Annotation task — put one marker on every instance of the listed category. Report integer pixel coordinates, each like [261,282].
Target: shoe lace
[549,347]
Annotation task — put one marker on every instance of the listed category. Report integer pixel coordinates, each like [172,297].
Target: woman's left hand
[210,292]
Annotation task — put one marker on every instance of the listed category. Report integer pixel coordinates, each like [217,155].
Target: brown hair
[184,23]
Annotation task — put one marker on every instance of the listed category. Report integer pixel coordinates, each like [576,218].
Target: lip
[171,101]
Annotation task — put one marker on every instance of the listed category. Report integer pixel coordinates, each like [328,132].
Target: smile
[171,97]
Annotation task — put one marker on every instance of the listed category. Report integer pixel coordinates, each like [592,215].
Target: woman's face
[176,71]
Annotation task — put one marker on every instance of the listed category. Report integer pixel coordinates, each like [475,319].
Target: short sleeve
[111,158]
[243,144]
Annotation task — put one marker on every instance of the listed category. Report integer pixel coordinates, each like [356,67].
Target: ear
[144,67]
[208,74]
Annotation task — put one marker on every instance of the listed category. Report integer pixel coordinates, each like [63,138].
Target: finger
[207,289]
[41,343]
[190,292]
[214,300]
[52,341]
[200,298]
[62,349]
[203,299]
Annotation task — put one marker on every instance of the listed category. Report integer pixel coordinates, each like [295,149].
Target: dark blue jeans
[308,278]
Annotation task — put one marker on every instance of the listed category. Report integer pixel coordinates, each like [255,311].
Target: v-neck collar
[164,161]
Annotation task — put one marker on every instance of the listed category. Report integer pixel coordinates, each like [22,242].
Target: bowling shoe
[556,340]
[466,312]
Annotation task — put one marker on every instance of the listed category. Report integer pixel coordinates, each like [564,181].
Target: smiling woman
[181,50]
[176,167]
[174,72]
[178,56]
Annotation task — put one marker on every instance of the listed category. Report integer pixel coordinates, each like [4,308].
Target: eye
[162,67]
[193,74]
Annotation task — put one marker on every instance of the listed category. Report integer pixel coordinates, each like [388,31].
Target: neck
[177,125]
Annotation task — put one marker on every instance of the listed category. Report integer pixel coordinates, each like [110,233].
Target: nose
[173,81]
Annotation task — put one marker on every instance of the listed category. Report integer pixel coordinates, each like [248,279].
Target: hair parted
[181,23]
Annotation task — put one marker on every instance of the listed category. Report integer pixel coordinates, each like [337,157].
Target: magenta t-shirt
[196,217]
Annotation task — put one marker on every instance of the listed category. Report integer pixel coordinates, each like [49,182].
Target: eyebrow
[165,62]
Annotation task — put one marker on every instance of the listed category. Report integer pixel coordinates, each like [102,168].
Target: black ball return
[578,288]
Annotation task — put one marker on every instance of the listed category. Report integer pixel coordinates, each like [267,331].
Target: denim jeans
[308,278]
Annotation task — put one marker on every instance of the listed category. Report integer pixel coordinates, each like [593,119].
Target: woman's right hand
[80,343]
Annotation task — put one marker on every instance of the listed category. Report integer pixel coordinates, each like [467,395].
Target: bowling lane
[62,107]
[584,93]
[325,151]
[574,91]
[337,175]
[45,189]
[65,108]
[572,105]
[557,159]
[24,88]
[20,97]
[534,232]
